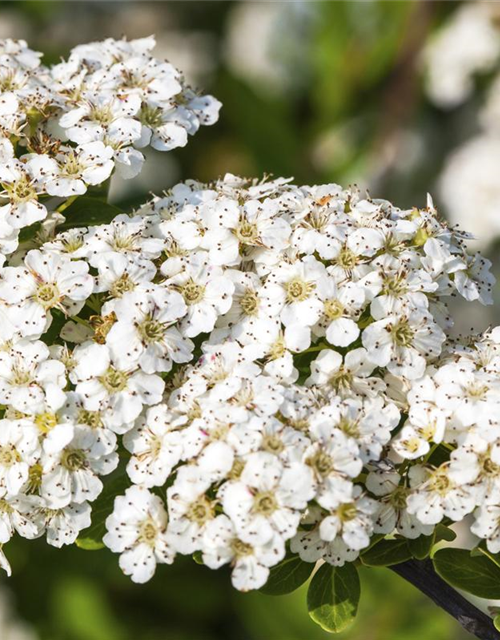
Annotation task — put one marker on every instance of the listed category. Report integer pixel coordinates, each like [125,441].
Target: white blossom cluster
[271,365]
[68,127]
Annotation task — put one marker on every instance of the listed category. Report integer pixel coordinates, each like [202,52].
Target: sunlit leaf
[333,597]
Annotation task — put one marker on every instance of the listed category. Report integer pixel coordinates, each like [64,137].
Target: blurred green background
[322,91]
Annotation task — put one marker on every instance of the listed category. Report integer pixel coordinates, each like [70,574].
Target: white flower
[167,128]
[368,422]
[18,515]
[250,562]
[486,524]
[144,334]
[156,446]
[475,281]
[342,304]
[223,369]
[19,449]
[351,520]
[125,235]
[23,182]
[47,281]
[469,395]
[426,425]
[137,529]
[477,462]
[63,525]
[346,376]
[105,118]
[119,274]
[335,461]
[206,292]
[267,498]
[437,495]
[329,536]
[253,227]
[291,292]
[266,339]
[71,474]
[391,515]
[28,375]
[190,509]
[394,286]
[310,547]
[102,384]
[75,169]
[403,342]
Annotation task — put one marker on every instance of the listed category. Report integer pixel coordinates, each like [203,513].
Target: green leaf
[28,233]
[442,532]
[477,575]
[496,622]
[89,544]
[333,597]
[387,552]
[421,547]
[90,538]
[87,212]
[440,455]
[287,576]
[99,191]
[482,550]
[58,322]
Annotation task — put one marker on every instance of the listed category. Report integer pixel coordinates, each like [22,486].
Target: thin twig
[421,574]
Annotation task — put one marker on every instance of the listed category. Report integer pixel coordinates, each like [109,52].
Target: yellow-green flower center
[192,292]
[333,309]
[114,381]
[48,295]
[298,290]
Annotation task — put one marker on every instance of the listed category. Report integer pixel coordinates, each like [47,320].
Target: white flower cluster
[68,127]
[270,363]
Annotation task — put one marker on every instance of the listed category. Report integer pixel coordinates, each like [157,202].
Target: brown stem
[421,574]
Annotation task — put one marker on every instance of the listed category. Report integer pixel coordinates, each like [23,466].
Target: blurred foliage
[350,98]
[71,594]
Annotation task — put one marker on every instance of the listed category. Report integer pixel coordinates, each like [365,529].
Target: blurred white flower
[470,189]
[12,627]
[265,42]
[468,44]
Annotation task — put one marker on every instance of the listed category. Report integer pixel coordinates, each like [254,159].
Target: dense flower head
[269,365]
[67,128]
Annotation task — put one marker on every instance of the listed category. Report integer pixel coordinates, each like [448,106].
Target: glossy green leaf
[287,576]
[333,597]
[482,550]
[477,575]
[387,552]
[421,547]
[87,212]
